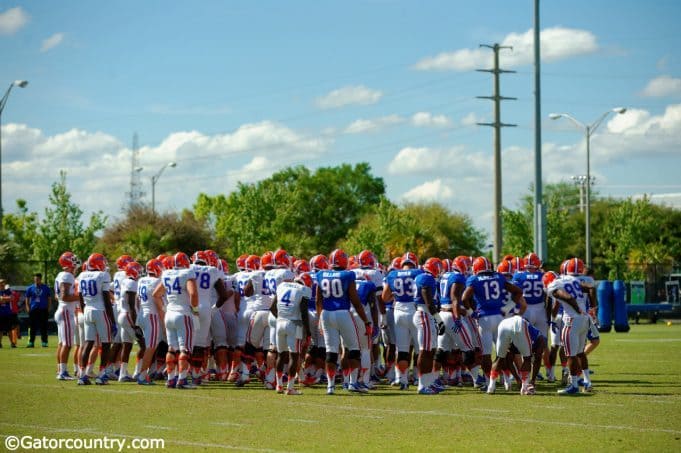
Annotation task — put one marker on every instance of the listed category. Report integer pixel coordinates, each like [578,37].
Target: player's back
[424,281]
[532,286]
[402,284]
[274,277]
[258,301]
[128,285]
[447,281]
[93,286]
[488,292]
[206,276]
[290,296]
[333,285]
[116,282]
[64,277]
[145,289]
[175,282]
[571,285]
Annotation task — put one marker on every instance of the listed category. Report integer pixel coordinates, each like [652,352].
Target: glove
[440,325]
[374,332]
[139,334]
[114,329]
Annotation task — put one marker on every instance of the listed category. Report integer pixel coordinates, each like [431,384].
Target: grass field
[636,405]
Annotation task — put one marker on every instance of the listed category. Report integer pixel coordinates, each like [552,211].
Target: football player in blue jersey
[485,288]
[336,292]
[400,287]
[428,324]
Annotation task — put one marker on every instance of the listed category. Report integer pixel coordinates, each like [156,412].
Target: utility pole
[540,242]
[497,125]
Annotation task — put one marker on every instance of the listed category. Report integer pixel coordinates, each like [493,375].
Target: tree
[144,234]
[304,212]
[427,229]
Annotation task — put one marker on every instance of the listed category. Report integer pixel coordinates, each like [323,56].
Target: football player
[568,291]
[400,287]
[428,324]
[336,291]
[127,317]
[114,359]
[224,324]
[485,287]
[150,316]
[65,317]
[314,359]
[182,313]
[368,266]
[289,307]
[99,320]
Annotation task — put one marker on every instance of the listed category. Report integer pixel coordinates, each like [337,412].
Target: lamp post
[20,84]
[154,180]
[589,129]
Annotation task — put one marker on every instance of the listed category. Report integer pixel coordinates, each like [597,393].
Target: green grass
[636,405]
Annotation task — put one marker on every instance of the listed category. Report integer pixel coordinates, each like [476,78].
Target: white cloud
[435,190]
[52,42]
[362,125]
[663,86]
[471,120]
[427,119]
[557,43]
[98,164]
[349,95]
[12,20]
[423,160]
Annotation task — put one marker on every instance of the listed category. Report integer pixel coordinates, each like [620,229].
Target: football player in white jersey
[289,307]
[272,279]
[114,362]
[368,265]
[127,318]
[64,286]
[150,317]
[208,281]
[181,319]
[316,354]
[224,324]
[99,320]
[239,373]
[567,289]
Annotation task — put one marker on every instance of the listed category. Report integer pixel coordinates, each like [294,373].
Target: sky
[234,91]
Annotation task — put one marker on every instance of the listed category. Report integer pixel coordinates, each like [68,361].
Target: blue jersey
[534,333]
[334,288]
[532,286]
[425,280]
[448,280]
[366,290]
[488,292]
[402,284]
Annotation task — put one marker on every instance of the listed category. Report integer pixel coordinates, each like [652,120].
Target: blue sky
[233,91]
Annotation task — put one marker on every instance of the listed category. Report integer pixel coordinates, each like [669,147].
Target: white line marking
[228,424]
[496,411]
[651,340]
[167,428]
[302,420]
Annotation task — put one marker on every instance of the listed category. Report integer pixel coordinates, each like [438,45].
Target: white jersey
[117,281]
[275,277]
[289,299]
[587,281]
[573,287]
[65,277]
[93,286]
[145,289]
[373,275]
[257,301]
[128,285]
[206,277]
[175,282]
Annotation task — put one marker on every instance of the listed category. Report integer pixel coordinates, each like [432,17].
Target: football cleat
[479,381]
[404,386]
[569,390]
[84,381]
[293,392]
[184,384]
[65,376]
[331,390]
[171,383]
[146,381]
[269,385]
[101,381]
[125,379]
[280,389]
[427,391]
[587,387]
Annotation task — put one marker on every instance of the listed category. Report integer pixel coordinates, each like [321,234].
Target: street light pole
[20,84]
[589,129]
[154,180]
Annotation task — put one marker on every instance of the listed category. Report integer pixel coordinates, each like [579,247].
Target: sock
[62,368]
[586,375]
[331,377]
[82,372]
[143,375]
[183,374]
[289,384]
[352,376]
[172,374]
[280,379]
[475,372]
[138,367]
[525,376]
[574,379]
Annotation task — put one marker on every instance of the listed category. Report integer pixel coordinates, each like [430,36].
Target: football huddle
[336,320]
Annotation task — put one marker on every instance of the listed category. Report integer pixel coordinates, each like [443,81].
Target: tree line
[309,212]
